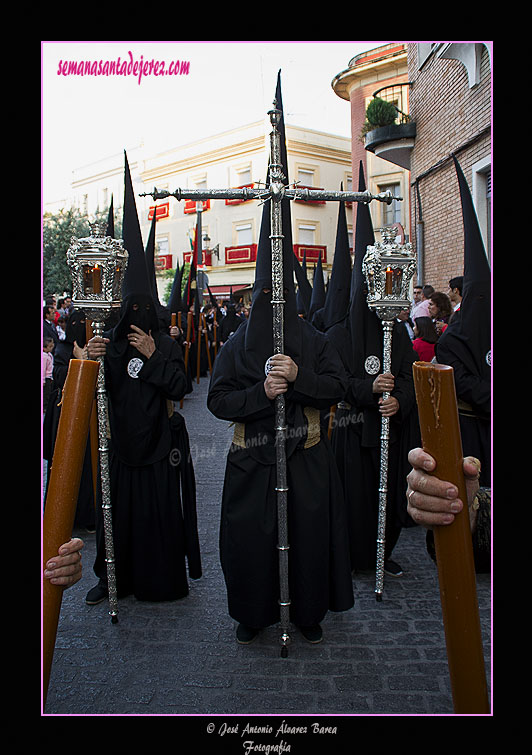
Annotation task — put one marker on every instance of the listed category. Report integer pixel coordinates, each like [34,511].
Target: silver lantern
[388,268]
[97,264]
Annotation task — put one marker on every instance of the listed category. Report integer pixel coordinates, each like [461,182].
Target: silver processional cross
[276,191]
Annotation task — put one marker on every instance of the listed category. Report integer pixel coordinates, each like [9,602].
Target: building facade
[443,96]
[451,105]
[230,228]
[382,71]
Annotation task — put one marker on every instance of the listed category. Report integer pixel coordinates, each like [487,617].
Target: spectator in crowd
[455,291]
[440,309]
[48,369]
[421,309]
[426,336]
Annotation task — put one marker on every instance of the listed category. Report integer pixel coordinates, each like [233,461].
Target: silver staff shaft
[383,481]
[277,191]
[101,402]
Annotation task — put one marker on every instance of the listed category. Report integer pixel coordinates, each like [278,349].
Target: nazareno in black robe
[149,531]
[318,561]
[465,344]
[319,570]
[357,424]
[356,443]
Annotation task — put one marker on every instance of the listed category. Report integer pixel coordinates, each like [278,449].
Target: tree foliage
[58,230]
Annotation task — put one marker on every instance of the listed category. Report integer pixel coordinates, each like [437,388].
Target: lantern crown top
[98,228]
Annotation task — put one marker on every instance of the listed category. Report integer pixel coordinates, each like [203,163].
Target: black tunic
[356,443]
[319,570]
[150,535]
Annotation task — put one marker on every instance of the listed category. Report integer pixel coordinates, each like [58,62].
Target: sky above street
[208,87]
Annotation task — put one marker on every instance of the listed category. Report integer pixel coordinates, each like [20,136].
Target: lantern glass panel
[397,281]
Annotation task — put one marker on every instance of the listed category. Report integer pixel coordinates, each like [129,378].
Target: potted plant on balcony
[388,132]
[379,113]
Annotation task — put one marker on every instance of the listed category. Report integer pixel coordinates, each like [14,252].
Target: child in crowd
[47,370]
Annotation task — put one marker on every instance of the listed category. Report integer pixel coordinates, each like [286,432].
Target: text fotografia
[127,67]
[284,729]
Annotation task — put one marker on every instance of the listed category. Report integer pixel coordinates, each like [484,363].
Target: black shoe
[393,569]
[96,595]
[312,634]
[245,634]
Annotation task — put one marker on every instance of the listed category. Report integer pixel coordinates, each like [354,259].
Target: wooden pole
[63,489]
[206,341]
[198,349]
[187,349]
[440,434]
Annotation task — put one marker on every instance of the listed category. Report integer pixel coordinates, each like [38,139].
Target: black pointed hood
[163,312]
[469,332]
[136,276]
[150,255]
[365,326]
[318,298]
[336,308]
[110,221]
[304,289]
[175,300]
[259,326]
[136,289]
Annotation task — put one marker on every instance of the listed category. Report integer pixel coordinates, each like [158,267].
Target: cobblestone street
[182,658]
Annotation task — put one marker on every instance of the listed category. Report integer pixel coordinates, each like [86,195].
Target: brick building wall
[450,116]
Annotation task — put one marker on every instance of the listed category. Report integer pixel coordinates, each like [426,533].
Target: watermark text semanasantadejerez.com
[129,66]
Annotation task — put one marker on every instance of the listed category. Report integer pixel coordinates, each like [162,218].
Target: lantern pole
[388,268]
[97,265]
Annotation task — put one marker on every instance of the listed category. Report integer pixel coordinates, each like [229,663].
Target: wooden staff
[206,341]
[187,349]
[215,325]
[63,489]
[440,434]
[198,349]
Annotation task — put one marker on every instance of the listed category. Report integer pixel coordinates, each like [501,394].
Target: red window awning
[222,292]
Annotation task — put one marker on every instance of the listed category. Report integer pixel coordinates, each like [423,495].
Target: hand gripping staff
[440,435]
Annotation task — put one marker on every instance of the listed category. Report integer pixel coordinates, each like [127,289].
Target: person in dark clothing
[48,324]
[357,424]
[230,323]
[310,375]
[144,370]
[466,343]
